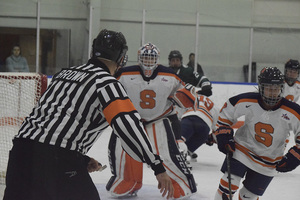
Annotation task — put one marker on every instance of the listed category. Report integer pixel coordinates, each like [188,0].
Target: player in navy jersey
[188,75]
[150,86]
[257,148]
[48,160]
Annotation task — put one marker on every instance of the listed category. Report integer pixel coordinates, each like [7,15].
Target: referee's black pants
[43,172]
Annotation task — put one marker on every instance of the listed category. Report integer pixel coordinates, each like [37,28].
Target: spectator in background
[16,62]
[187,74]
[191,64]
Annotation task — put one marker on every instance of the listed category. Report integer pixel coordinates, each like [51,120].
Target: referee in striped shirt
[48,158]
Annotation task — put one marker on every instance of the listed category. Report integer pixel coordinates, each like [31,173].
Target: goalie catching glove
[185,97]
[225,140]
[290,161]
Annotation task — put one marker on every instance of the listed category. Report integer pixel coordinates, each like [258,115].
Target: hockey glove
[210,140]
[225,140]
[290,161]
[183,98]
[205,90]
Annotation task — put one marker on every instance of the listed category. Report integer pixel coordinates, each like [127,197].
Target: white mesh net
[19,92]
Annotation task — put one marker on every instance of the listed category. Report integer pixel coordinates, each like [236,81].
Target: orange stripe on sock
[225,184]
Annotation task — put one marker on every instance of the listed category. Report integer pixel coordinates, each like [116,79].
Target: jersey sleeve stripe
[291,111]
[247,100]
[168,74]
[242,98]
[129,73]
[116,107]
[223,121]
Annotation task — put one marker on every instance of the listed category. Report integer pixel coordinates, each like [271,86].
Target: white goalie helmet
[148,57]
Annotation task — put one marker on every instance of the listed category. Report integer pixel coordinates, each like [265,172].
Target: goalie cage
[19,92]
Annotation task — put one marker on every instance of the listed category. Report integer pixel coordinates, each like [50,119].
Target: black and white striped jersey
[79,104]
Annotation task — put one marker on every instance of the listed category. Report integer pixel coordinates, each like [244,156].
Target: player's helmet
[175,54]
[110,45]
[291,65]
[270,83]
[148,57]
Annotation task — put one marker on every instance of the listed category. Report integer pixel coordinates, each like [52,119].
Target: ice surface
[206,172]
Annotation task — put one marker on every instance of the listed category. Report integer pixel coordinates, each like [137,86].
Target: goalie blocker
[128,173]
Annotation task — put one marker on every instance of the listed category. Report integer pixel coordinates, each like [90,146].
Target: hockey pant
[195,132]
[128,173]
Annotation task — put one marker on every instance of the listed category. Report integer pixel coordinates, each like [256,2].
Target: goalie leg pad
[127,172]
[162,138]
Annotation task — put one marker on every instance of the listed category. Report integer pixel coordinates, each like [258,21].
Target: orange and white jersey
[261,141]
[292,93]
[204,109]
[150,94]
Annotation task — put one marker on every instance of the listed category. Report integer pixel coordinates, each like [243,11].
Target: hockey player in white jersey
[197,123]
[292,85]
[258,146]
[149,86]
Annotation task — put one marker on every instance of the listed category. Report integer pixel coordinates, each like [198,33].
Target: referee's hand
[165,185]
[93,165]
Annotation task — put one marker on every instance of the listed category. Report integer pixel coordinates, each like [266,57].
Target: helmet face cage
[271,93]
[270,83]
[148,58]
[291,66]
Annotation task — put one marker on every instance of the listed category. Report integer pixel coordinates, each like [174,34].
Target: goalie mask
[291,71]
[110,45]
[148,57]
[270,83]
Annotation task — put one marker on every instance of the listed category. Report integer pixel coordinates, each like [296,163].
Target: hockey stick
[228,162]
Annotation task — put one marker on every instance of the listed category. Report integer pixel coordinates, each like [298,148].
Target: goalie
[149,86]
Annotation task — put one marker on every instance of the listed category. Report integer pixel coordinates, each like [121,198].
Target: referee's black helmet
[110,45]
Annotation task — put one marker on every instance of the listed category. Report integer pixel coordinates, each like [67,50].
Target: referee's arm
[122,116]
